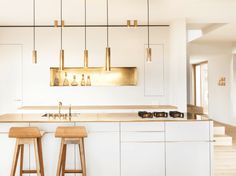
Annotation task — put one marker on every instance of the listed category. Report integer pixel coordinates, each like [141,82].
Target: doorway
[200,71]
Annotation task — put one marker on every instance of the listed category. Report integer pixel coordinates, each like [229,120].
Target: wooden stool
[71,135]
[27,135]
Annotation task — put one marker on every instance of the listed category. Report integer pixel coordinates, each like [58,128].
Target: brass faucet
[59,107]
[70,113]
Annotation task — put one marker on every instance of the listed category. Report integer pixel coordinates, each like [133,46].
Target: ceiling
[161,11]
[225,33]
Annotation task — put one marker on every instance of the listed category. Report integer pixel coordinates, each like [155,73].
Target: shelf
[118,76]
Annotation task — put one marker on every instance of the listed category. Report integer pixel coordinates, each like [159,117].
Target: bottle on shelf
[56,80]
[88,82]
[82,80]
[74,82]
[65,82]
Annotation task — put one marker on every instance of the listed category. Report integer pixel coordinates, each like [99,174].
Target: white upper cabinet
[154,72]
[122,10]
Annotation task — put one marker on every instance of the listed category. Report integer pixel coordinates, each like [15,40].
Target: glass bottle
[82,80]
[88,82]
[56,80]
[74,82]
[65,82]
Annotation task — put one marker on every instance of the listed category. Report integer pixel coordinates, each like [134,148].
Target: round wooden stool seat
[71,132]
[25,132]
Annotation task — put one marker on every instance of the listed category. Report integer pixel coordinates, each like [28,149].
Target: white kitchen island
[120,144]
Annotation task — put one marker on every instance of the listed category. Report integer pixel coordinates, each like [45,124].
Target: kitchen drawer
[188,131]
[5,127]
[142,136]
[142,126]
[100,126]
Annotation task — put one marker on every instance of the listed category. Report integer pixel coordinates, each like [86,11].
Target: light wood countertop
[95,117]
[111,107]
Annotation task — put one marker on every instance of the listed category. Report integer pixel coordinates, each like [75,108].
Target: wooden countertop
[120,107]
[95,117]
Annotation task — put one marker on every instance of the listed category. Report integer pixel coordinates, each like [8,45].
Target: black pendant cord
[61,24]
[85,24]
[107,25]
[34,24]
[148,22]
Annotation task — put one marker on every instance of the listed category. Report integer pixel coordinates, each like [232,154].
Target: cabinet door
[11,78]
[139,159]
[188,159]
[102,154]
[154,72]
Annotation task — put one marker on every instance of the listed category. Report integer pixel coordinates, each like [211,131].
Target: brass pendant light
[148,49]
[61,62]
[108,49]
[34,52]
[85,36]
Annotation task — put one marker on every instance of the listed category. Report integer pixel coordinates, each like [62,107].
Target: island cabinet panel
[142,126]
[142,149]
[188,131]
[102,149]
[188,159]
[142,158]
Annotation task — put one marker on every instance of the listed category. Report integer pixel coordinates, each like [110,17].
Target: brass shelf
[118,76]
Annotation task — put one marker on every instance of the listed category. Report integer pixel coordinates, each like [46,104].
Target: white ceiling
[162,11]
[225,33]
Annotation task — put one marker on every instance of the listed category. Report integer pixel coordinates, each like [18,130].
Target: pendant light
[61,62]
[34,52]
[148,49]
[85,36]
[108,49]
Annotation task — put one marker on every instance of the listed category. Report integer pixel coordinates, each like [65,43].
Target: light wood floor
[225,156]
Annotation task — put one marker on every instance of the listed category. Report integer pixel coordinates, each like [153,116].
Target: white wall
[219,57]
[178,64]
[127,47]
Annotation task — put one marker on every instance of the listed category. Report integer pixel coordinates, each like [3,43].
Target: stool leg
[36,151]
[60,159]
[39,142]
[21,159]
[15,158]
[82,156]
[64,159]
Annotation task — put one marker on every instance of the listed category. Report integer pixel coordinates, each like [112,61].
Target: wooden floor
[225,156]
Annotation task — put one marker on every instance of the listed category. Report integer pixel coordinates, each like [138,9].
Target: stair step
[219,130]
[223,140]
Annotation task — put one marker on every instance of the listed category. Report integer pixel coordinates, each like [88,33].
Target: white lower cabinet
[102,154]
[139,159]
[188,159]
[123,149]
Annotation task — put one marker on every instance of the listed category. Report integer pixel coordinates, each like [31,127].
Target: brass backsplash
[93,76]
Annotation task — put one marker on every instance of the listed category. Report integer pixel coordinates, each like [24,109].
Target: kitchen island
[119,144]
